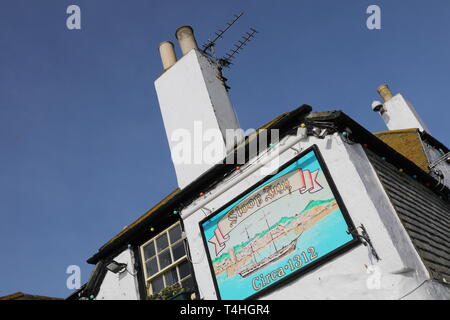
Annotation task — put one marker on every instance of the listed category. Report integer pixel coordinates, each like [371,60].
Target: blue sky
[83,150]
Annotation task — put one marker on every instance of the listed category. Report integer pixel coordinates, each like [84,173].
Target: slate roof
[423,213]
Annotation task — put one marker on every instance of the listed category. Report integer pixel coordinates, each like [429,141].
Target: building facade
[310,206]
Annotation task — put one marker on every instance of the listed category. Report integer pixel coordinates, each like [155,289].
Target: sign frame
[313,264]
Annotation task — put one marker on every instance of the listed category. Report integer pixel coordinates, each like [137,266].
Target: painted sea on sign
[281,226]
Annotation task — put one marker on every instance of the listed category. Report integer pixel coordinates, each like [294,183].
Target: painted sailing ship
[284,251]
[274,257]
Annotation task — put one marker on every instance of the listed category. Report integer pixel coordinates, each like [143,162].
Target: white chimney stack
[194,101]
[397,112]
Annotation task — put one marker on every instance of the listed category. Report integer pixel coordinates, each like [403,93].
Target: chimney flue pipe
[167,52]
[385,92]
[185,36]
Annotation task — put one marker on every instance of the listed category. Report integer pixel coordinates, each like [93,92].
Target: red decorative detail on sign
[219,240]
[308,182]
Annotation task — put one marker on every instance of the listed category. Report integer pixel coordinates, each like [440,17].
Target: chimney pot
[385,92]
[185,36]
[167,52]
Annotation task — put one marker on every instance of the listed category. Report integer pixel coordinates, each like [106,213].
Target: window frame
[174,264]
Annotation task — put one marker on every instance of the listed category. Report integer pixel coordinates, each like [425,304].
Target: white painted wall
[345,277]
[400,114]
[189,92]
[120,286]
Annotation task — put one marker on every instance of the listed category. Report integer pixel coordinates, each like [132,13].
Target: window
[165,261]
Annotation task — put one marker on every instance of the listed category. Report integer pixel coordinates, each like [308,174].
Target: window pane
[152,267]
[184,269]
[171,277]
[178,251]
[157,285]
[188,284]
[164,259]
[175,234]
[161,242]
[149,250]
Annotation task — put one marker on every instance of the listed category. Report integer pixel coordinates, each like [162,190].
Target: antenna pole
[226,61]
[211,43]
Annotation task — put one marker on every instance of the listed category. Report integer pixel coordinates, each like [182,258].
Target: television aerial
[210,46]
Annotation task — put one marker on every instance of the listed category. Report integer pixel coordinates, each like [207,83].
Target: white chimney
[397,112]
[193,100]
